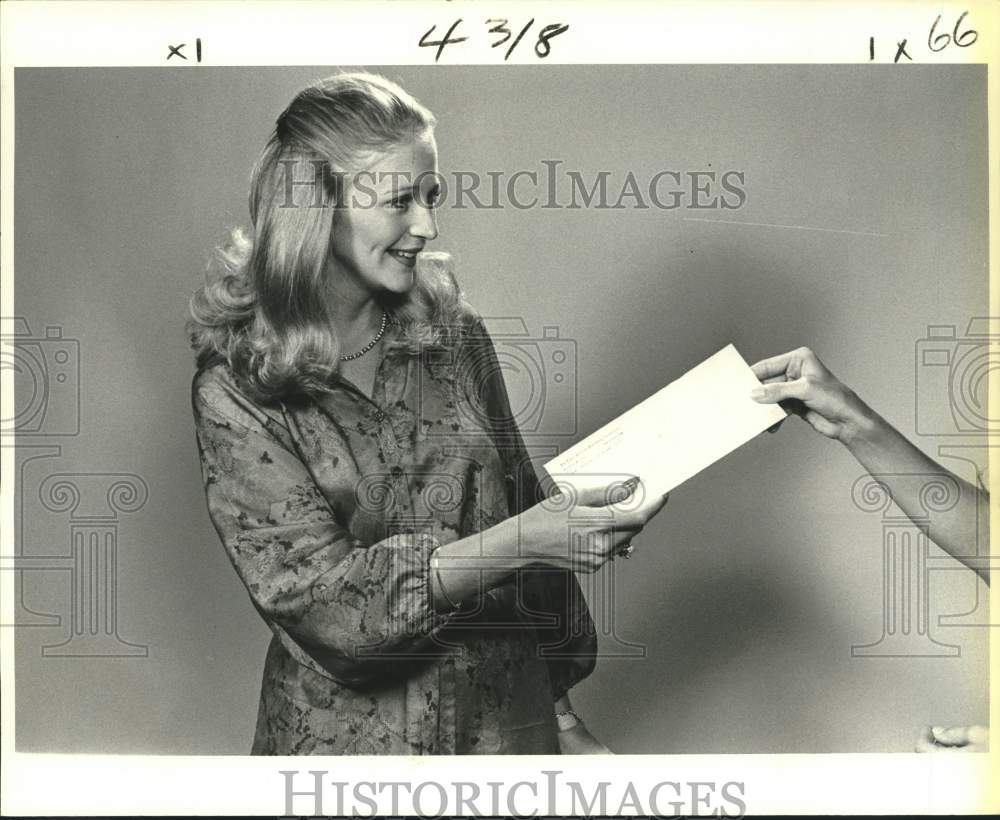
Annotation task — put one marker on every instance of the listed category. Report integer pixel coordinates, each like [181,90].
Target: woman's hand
[578,531]
[601,529]
[803,385]
[579,741]
[954,739]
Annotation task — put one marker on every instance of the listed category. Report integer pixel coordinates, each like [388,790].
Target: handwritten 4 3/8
[504,34]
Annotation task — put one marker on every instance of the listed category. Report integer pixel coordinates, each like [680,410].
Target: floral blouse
[329,509]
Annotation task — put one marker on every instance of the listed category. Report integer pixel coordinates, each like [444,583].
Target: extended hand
[803,385]
[954,739]
[599,532]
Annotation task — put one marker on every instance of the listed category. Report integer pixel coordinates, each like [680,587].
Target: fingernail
[937,730]
[757,393]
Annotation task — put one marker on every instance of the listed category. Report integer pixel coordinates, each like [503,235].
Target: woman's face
[387,218]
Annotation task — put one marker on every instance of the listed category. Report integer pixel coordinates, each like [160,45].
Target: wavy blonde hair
[263,307]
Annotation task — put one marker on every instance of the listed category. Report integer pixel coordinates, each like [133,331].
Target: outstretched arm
[804,386]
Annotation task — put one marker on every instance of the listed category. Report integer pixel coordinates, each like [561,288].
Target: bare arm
[803,384]
[468,567]
[536,533]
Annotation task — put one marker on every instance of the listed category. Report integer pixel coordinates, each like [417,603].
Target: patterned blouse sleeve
[350,607]
[568,641]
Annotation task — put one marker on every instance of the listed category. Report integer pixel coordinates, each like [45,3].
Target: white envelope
[675,433]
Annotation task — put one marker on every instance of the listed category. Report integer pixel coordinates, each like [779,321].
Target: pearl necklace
[371,344]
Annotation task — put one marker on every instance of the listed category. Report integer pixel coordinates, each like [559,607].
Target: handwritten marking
[519,36]
[176,51]
[500,26]
[935,41]
[772,225]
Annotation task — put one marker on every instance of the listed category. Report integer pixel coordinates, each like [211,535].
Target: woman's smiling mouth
[407,258]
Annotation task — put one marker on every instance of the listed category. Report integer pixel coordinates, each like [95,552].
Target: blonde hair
[263,307]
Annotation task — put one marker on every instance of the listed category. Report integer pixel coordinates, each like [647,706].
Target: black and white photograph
[492,402]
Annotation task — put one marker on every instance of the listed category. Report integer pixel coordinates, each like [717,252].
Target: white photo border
[386,33]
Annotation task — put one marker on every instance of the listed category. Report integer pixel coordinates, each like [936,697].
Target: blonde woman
[362,466]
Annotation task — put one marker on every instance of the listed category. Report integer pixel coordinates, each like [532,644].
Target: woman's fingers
[789,366]
[600,545]
[774,392]
[959,736]
[590,547]
[604,495]
[636,512]
[629,508]
[821,423]
[953,739]
[774,366]
[953,736]
[654,505]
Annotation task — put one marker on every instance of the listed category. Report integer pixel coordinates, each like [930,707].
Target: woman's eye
[403,202]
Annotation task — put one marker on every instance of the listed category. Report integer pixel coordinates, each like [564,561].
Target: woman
[805,386]
[363,469]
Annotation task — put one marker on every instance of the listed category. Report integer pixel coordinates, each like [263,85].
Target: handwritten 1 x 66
[936,41]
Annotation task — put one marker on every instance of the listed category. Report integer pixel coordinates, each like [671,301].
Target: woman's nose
[424,223]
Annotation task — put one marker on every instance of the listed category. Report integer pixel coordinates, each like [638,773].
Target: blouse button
[379,415]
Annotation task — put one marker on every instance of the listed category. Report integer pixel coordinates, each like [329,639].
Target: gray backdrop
[748,591]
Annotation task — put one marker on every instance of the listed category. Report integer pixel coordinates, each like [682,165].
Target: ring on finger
[625,550]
